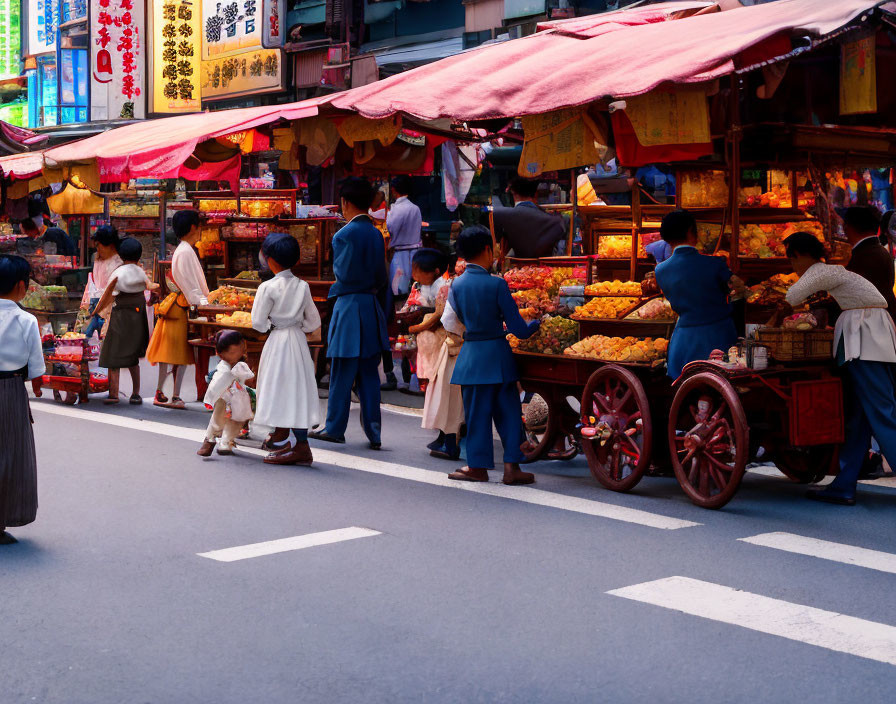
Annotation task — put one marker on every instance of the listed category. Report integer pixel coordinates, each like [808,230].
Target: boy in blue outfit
[486,370]
[357,335]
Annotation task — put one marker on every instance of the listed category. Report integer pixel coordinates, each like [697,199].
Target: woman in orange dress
[168,346]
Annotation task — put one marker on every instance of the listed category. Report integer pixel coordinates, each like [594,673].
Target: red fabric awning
[151,147]
[22,166]
[556,68]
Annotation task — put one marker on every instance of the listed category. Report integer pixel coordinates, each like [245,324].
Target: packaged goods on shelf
[765,241]
[250,230]
[264,208]
[554,335]
[654,309]
[617,247]
[307,237]
[133,208]
[708,189]
[216,207]
[605,307]
[620,349]
[614,288]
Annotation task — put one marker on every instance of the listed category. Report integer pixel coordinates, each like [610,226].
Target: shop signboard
[10,39]
[43,19]
[177,29]
[249,73]
[232,27]
[117,59]
[73,85]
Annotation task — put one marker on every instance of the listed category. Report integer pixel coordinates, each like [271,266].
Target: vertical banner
[10,41]
[176,37]
[858,77]
[43,18]
[274,23]
[117,59]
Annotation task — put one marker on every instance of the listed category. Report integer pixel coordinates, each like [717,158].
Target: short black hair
[473,241]
[862,218]
[183,222]
[130,250]
[676,226]
[282,248]
[357,191]
[225,339]
[28,225]
[804,243]
[106,235]
[429,260]
[525,187]
[402,184]
[12,270]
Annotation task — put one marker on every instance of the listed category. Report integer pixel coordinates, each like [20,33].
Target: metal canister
[757,357]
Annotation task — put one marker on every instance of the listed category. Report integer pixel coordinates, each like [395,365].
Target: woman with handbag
[168,346]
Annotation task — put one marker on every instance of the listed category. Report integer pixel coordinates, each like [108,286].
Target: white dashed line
[826,550]
[298,542]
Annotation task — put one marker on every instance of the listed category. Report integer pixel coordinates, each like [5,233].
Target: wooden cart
[706,426]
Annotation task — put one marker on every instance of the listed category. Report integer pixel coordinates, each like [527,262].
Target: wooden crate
[797,345]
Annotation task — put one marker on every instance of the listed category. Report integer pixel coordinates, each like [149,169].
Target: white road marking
[298,542]
[826,550]
[388,469]
[826,629]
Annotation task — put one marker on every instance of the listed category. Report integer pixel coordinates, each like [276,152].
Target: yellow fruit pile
[239,298]
[617,247]
[605,307]
[239,319]
[614,288]
[620,349]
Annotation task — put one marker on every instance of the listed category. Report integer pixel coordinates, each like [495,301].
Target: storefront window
[48,92]
[73,84]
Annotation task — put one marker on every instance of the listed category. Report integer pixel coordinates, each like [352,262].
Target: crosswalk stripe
[826,550]
[805,624]
[524,494]
[298,542]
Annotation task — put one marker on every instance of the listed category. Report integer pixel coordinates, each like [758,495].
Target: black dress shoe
[325,437]
[6,538]
[830,496]
[376,445]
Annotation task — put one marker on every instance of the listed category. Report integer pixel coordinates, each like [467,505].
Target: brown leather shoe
[300,454]
[468,474]
[207,448]
[513,475]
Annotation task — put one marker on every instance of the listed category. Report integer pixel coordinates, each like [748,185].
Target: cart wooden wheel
[806,465]
[709,439]
[70,399]
[540,438]
[617,433]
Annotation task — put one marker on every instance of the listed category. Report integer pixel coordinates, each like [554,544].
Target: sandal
[177,403]
[160,399]
[470,475]
[135,400]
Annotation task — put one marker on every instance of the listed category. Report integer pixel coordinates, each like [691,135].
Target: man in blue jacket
[357,334]
[486,370]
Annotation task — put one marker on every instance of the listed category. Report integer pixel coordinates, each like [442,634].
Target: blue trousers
[484,403]
[870,410]
[96,323]
[344,372]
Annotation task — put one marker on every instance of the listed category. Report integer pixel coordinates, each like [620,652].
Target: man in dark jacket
[525,228]
[870,259]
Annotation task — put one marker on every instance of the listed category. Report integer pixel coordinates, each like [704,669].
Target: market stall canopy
[160,147]
[19,167]
[608,58]
[595,25]
[17,139]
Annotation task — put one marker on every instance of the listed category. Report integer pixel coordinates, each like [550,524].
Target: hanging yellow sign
[356,128]
[858,77]
[562,139]
[680,116]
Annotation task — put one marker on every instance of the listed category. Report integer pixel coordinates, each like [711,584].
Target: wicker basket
[797,345]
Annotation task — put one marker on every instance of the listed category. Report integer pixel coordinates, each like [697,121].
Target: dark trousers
[870,410]
[483,404]
[344,373]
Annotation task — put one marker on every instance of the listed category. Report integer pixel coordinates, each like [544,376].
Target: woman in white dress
[287,389]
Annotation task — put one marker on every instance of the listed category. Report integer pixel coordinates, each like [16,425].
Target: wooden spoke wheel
[709,439]
[806,465]
[538,437]
[70,399]
[617,434]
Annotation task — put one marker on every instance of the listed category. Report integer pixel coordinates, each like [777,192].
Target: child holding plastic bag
[227,395]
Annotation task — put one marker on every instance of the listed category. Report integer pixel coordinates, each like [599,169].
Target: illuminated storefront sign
[10,39]
[177,31]
[249,73]
[117,58]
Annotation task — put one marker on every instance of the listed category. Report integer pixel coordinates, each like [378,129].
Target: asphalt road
[463,594]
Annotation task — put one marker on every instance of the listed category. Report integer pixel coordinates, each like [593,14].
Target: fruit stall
[68,375]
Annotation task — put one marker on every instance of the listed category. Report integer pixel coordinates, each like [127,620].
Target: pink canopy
[592,59]
[595,25]
[22,166]
[161,146]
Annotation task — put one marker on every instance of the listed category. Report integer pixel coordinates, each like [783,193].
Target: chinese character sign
[251,72]
[43,19]
[232,26]
[9,39]
[117,46]
[177,28]
[274,19]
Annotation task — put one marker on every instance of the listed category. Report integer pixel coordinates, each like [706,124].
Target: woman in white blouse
[21,358]
[865,347]
[168,346]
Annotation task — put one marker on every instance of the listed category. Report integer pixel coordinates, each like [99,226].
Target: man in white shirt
[405,225]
